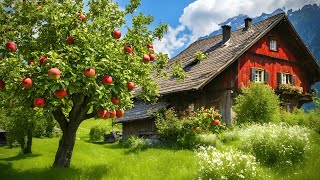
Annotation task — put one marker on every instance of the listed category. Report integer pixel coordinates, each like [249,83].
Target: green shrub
[208,140]
[299,117]
[168,124]
[226,164]
[97,133]
[135,144]
[184,130]
[276,144]
[229,135]
[258,103]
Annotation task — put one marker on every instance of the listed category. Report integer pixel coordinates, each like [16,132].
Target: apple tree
[77,64]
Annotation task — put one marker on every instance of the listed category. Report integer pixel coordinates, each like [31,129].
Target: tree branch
[88,116]
[60,118]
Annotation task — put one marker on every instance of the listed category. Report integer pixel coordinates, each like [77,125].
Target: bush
[208,140]
[226,164]
[136,144]
[97,133]
[258,103]
[229,135]
[299,117]
[276,144]
[184,130]
[168,124]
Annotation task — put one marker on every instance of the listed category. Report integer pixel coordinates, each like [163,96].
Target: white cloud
[171,40]
[203,16]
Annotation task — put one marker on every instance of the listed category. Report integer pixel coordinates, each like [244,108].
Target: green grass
[111,161]
[97,161]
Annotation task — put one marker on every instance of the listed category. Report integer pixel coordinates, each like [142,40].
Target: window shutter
[253,74]
[293,79]
[279,78]
[266,77]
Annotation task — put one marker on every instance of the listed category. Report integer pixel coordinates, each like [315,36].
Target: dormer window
[273,45]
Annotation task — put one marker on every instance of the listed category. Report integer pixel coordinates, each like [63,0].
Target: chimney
[247,23]
[226,31]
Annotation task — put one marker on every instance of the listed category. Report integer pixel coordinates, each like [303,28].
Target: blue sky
[190,19]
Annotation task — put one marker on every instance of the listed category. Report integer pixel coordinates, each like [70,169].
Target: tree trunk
[66,144]
[69,127]
[27,149]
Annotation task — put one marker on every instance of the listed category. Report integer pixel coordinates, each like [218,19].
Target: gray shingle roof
[141,110]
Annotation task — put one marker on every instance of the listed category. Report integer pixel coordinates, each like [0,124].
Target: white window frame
[259,76]
[286,78]
[273,45]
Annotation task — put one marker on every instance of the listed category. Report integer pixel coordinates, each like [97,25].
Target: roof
[2,130]
[141,110]
[219,55]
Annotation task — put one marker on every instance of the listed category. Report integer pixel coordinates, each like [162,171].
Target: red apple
[146,58]
[128,49]
[27,83]
[152,57]
[115,100]
[82,17]
[150,46]
[216,122]
[119,113]
[113,114]
[91,72]
[2,84]
[43,59]
[54,73]
[106,79]
[103,114]
[70,40]
[11,46]
[130,86]
[61,93]
[39,102]
[116,34]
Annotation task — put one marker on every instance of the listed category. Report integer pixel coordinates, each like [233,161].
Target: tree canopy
[56,56]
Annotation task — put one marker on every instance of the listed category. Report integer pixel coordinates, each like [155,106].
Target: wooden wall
[138,128]
[283,60]
[217,94]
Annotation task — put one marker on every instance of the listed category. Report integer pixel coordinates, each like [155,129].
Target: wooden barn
[269,52]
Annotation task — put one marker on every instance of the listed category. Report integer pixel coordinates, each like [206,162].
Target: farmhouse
[269,52]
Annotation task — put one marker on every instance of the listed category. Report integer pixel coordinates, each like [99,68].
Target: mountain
[305,21]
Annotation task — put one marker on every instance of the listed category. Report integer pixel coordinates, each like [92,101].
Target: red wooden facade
[283,60]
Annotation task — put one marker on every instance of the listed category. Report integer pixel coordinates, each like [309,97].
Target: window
[273,45]
[259,75]
[285,78]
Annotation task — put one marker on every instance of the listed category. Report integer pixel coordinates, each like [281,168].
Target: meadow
[113,161]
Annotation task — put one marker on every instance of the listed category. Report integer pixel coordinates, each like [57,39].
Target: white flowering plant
[276,144]
[226,164]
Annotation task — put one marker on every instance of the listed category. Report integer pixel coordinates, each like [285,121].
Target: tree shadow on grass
[92,172]
[20,156]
